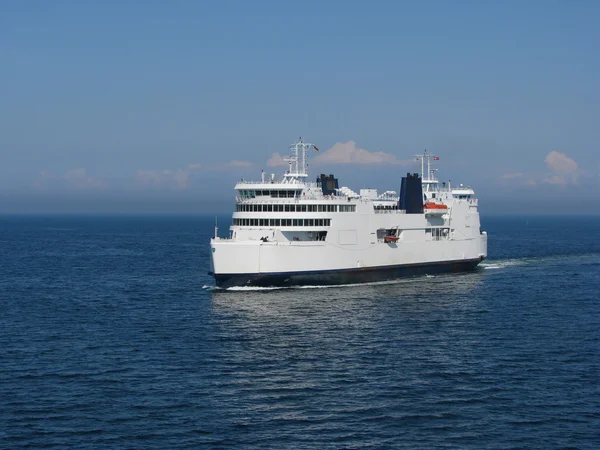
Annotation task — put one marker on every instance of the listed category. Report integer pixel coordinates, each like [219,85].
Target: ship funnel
[411,194]
[329,184]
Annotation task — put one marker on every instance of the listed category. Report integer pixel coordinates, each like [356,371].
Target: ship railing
[324,198]
[267,181]
[310,184]
[437,189]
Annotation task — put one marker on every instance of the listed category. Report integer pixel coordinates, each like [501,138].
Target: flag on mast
[436,158]
[315,147]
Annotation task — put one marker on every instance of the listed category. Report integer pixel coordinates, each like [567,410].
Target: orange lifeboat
[390,239]
[431,205]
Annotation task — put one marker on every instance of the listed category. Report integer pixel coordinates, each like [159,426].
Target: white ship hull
[283,262]
[269,264]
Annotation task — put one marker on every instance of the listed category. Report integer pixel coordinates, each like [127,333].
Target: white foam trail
[327,286]
[528,260]
[503,263]
[210,288]
[256,288]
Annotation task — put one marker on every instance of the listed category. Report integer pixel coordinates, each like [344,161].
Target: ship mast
[297,163]
[429,176]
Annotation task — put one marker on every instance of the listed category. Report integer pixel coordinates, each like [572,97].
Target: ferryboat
[290,231]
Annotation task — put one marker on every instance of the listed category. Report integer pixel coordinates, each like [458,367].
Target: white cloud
[276,160]
[72,179]
[238,163]
[565,170]
[231,165]
[349,153]
[79,178]
[178,178]
[562,171]
[181,177]
[76,174]
[152,176]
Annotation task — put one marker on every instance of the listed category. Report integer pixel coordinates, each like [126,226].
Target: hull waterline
[341,277]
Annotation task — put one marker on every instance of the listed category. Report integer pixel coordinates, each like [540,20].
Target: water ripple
[112,335]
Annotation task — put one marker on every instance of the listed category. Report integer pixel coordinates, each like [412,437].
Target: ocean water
[113,336]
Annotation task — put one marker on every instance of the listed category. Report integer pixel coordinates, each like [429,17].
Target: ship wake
[327,286]
[493,264]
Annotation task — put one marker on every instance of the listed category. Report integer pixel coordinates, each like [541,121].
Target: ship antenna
[297,162]
[427,173]
[429,167]
[216,227]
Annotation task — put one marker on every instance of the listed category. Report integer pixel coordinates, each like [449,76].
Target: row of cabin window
[282,222]
[295,208]
[273,194]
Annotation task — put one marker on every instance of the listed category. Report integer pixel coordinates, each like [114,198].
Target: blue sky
[153,106]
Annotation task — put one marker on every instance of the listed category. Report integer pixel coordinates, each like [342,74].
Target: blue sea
[112,335]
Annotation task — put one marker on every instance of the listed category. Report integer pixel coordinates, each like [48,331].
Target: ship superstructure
[290,231]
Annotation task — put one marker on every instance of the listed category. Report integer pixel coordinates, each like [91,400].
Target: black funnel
[411,194]
[329,184]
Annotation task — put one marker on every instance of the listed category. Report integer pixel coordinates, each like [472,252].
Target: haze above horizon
[161,107]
